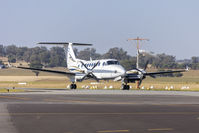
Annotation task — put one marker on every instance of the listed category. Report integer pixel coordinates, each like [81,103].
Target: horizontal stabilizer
[64,43]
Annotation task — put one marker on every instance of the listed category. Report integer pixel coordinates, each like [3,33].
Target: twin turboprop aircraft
[105,69]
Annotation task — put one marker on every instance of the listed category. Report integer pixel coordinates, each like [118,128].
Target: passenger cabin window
[112,62]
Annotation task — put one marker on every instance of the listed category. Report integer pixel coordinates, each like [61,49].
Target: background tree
[195,62]
[116,53]
[88,53]
[2,50]
[129,64]
[11,59]
[165,61]
[1,62]
[20,53]
[57,57]
[35,62]
[11,50]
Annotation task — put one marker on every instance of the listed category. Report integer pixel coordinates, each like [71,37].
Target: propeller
[89,72]
[146,65]
[143,73]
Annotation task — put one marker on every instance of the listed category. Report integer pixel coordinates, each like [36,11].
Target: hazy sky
[171,25]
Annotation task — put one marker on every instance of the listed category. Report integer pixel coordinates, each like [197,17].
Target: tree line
[55,57]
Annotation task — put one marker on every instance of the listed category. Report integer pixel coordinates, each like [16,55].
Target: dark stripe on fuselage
[72,69]
[94,71]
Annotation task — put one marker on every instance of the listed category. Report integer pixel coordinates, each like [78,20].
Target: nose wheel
[73,86]
[125,87]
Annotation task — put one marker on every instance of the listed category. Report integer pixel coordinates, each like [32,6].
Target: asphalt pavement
[94,111]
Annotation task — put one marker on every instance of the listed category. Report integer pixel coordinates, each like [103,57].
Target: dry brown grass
[12,77]
[30,78]
[4,90]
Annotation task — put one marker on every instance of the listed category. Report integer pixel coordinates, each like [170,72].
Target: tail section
[71,60]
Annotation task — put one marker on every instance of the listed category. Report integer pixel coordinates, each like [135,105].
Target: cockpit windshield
[112,62]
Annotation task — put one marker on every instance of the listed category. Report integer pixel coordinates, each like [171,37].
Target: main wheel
[125,87]
[74,86]
[71,86]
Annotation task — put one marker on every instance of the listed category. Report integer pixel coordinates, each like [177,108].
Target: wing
[165,72]
[50,71]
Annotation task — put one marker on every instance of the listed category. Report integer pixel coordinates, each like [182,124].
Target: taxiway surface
[99,111]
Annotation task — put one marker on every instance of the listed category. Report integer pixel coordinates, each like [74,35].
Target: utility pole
[138,47]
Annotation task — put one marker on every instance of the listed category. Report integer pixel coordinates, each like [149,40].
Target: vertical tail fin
[69,53]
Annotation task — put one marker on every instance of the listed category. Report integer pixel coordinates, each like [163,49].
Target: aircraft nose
[121,70]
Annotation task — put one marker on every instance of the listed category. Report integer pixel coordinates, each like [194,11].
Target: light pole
[138,47]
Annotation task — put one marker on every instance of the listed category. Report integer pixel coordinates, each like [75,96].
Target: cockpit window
[112,62]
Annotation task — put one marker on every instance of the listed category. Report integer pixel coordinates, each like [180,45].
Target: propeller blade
[84,65]
[84,77]
[94,77]
[140,82]
[138,70]
[146,65]
[95,65]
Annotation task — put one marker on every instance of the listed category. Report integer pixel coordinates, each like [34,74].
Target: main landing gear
[125,87]
[73,86]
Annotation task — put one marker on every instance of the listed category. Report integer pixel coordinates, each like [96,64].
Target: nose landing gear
[125,87]
[73,86]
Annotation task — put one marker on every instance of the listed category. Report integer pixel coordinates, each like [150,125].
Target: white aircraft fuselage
[105,70]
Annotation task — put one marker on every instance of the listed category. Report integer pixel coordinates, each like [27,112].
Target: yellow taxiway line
[113,131]
[161,129]
[88,102]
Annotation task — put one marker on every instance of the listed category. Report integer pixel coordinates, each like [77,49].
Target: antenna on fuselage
[138,47]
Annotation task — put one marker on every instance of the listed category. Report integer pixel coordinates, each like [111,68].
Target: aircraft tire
[73,86]
[125,87]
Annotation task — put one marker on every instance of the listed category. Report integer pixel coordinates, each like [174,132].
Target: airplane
[138,75]
[104,69]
